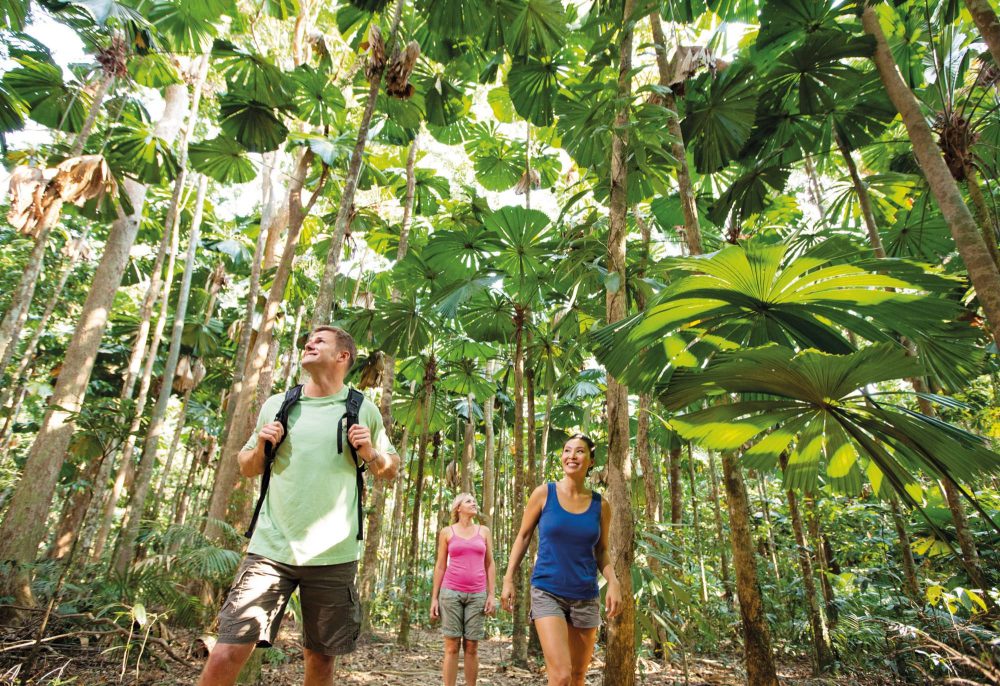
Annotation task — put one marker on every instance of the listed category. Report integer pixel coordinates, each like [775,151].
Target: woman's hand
[491,606]
[435,610]
[613,600]
[507,596]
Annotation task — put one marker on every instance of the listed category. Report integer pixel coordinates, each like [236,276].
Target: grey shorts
[331,613]
[462,614]
[582,614]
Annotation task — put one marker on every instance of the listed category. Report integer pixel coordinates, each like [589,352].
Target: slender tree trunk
[403,486]
[373,526]
[550,397]
[24,526]
[104,85]
[696,517]
[864,199]
[765,506]
[910,585]
[757,655]
[987,224]
[74,511]
[822,654]
[620,654]
[489,448]
[403,637]
[17,314]
[689,206]
[645,463]
[327,285]
[982,269]
[727,586]
[468,447]
[243,402]
[519,639]
[676,491]
[989,27]
[126,468]
[819,548]
[144,474]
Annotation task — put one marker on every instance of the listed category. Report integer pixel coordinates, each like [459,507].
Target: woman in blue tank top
[572,524]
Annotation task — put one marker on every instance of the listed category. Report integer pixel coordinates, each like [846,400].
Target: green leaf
[255,77]
[51,102]
[533,86]
[503,108]
[186,25]
[538,27]
[222,159]
[720,115]
[139,615]
[253,124]
[12,110]
[153,70]
[455,19]
[138,152]
[317,98]
[281,9]
[13,14]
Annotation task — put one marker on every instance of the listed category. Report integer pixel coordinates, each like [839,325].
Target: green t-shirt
[310,514]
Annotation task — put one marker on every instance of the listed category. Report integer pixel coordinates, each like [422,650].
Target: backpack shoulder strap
[355,399]
[292,396]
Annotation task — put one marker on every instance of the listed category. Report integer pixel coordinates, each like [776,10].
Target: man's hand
[272,433]
[360,436]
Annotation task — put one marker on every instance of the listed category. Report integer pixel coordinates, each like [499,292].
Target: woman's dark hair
[586,439]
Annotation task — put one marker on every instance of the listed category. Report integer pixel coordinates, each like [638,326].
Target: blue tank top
[566,565]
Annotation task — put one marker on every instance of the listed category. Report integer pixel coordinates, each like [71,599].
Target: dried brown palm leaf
[398,75]
[36,203]
[371,374]
[687,61]
[376,54]
[530,179]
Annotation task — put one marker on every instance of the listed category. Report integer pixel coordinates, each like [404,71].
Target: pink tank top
[466,572]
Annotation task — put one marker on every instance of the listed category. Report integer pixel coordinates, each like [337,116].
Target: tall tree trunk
[982,269]
[126,468]
[696,520]
[864,198]
[988,25]
[373,525]
[104,85]
[645,463]
[822,654]
[727,587]
[987,223]
[327,285]
[24,526]
[620,653]
[910,585]
[519,639]
[489,452]
[765,506]
[243,402]
[676,492]
[689,206]
[403,637]
[17,314]
[74,510]
[757,654]
[144,474]
[822,561]
[468,447]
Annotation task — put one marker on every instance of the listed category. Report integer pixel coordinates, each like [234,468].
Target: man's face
[321,351]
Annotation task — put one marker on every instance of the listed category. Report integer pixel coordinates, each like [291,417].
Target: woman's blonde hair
[457,502]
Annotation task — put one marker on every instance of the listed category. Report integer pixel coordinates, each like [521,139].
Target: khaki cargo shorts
[582,614]
[462,614]
[331,613]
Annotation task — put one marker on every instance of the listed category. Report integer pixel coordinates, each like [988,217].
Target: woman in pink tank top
[464,582]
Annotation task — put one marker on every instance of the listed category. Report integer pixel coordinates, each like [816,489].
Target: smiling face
[464,504]
[321,351]
[576,457]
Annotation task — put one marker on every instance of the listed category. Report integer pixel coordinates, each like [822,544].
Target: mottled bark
[989,27]
[757,654]
[864,199]
[720,531]
[910,585]
[25,524]
[983,271]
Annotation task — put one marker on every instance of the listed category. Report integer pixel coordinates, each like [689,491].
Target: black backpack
[350,418]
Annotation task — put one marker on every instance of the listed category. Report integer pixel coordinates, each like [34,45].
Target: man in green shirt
[307,532]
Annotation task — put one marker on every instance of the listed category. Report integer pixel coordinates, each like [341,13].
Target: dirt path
[380,661]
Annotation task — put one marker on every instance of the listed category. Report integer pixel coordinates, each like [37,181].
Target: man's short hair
[345,341]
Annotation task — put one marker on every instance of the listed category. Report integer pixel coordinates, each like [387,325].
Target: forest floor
[379,661]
